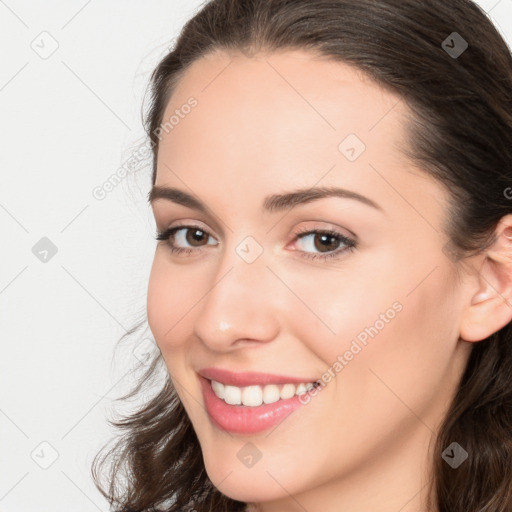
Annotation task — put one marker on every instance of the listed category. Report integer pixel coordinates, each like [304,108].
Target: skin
[263,126]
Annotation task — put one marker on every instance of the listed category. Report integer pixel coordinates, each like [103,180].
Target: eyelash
[349,243]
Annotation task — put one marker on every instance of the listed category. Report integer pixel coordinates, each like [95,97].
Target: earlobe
[490,307]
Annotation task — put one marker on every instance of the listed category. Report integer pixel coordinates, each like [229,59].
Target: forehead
[280,101]
[300,83]
[273,120]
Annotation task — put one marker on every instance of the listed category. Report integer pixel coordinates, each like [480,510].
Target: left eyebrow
[298,197]
[273,203]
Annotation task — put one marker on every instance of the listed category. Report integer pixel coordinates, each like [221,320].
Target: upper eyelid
[177,228]
[303,231]
[186,224]
[210,219]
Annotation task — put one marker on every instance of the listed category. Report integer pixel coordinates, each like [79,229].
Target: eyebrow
[273,203]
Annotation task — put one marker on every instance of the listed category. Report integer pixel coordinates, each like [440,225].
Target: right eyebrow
[176,196]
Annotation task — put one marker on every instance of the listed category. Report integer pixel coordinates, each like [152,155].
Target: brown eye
[185,238]
[326,242]
[195,236]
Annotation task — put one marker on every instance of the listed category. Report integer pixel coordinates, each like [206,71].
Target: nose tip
[238,309]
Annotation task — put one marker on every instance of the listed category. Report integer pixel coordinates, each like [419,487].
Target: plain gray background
[72,80]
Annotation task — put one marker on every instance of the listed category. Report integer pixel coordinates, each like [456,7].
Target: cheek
[404,372]
[382,320]
[333,310]
[170,298]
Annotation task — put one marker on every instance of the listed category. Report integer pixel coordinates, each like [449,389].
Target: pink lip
[243,419]
[249,378]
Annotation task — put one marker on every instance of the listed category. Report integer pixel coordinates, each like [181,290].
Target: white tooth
[252,396]
[301,388]
[287,391]
[232,395]
[270,393]
[218,388]
[309,386]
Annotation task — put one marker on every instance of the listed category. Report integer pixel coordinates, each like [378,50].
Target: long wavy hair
[460,133]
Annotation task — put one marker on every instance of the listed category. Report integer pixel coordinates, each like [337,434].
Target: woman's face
[377,323]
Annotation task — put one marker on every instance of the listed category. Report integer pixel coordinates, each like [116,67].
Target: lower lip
[243,419]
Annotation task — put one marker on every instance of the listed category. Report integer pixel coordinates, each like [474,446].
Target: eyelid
[178,227]
[327,226]
[348,243]
[188,223]
[174,210]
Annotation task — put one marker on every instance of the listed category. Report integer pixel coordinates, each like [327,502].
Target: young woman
[331,292]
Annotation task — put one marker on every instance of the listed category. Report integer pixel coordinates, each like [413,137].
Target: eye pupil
[331,240]
[197,236]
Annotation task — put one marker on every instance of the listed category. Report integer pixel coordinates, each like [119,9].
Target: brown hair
[460,133]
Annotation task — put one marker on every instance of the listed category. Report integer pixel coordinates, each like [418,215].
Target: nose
[241,304]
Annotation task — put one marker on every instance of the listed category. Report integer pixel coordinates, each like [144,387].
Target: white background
[68,122]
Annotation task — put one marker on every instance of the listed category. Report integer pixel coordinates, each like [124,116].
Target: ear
[490,307]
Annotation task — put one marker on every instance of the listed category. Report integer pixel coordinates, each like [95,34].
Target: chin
[251,485]
[249,490]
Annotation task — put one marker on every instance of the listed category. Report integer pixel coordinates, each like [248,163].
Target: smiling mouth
[256,395]
[249,414]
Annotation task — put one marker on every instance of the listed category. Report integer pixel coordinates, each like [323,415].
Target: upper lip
[249,378]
